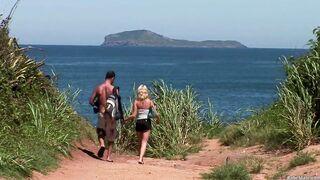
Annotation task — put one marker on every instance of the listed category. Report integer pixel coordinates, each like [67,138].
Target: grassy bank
[37,121]
[293,121]
[184,123]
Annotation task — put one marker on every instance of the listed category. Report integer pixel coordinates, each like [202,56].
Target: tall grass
[180,121]
[302,158]
[300,96]
[184,122]
[299,115]
[293,121]
[228,172]
[264,127]
[37,121]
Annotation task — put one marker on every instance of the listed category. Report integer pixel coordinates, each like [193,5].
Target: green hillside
[37,122]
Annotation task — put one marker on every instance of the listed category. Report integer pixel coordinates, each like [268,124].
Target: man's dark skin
[103,91]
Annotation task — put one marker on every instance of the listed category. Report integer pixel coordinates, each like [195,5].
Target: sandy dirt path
[85,166]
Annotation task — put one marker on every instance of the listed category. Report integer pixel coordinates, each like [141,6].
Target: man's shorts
[106,127]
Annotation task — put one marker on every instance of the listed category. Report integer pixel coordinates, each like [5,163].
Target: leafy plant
[253,164]
[37,121]
[300,159]
[228,172]
[293,121]
[183,123]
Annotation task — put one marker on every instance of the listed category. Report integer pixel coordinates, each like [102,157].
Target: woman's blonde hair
[142,92]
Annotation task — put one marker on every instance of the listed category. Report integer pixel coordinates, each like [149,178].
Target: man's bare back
[103,91]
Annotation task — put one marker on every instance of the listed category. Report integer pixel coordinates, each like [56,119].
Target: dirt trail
[85,166]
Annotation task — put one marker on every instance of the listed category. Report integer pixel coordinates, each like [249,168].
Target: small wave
[86,63]
[160,64]
[202,62]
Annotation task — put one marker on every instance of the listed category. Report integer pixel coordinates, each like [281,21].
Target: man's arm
[102,99]
[93,95]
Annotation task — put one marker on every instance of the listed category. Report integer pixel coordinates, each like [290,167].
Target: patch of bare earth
[84,165]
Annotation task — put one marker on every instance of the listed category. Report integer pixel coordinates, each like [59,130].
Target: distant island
[146,38]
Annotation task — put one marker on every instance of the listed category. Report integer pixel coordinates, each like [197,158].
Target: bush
[264,127]
[253,164]
[301,159]
[229,172]
[231,135]
[280,174]
[37,121]
[183,123]
[293,121]
[300,96]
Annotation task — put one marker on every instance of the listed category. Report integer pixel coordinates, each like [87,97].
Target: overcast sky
[255,23]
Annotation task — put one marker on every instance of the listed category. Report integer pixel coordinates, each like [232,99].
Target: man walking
[106,126]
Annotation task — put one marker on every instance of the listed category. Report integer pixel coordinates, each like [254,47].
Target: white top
[143,114]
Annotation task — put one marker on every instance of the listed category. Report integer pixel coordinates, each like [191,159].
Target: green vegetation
[37,121]
[264,127]
[292,122]
[280,174]
[253,164]
[183,124]
[300,96]
[229,172]
[239,169]
[300,159]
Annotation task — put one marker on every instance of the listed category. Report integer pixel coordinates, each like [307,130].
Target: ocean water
[234,80]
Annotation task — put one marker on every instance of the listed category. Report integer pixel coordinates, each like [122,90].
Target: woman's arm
[153,106]
[133,112]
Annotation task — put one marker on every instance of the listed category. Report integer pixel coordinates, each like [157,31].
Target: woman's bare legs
[139,134]
[144,142]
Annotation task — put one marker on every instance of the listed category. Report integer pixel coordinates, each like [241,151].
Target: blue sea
[234,80]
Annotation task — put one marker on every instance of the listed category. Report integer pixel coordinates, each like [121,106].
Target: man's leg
[101,134]
[110,145]
[111,133]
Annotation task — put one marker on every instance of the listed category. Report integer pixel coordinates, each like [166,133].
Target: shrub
[231,135]
[228,172]
[264,127]
[300,96]
[253,164]
[183,123]
[37,121]
[211,123]
[300,159]
[293,121]
[280,174]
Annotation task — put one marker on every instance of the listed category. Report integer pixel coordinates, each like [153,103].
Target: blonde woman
[140,111]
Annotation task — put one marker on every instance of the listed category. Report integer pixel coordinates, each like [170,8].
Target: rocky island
[146,38]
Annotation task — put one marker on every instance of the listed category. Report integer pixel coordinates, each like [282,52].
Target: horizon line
[36,44]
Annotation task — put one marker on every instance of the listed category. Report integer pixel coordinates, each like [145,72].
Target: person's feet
[140,162]
[101,151]
[109,160]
